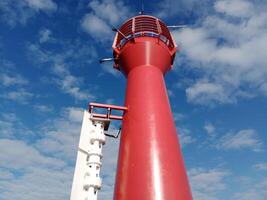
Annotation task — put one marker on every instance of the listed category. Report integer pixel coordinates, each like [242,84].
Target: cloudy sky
[49,71]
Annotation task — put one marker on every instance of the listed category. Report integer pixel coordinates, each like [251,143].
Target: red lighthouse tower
[150,163]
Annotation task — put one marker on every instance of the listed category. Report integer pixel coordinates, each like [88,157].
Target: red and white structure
[87,181]
[150,163]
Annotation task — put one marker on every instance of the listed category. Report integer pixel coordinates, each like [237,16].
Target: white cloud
[20,96]
[206,93]
[71,53]
[45,35]
[13,156]
[263,88]
[108,171]
[111,11]
[185,8]
[61,136]
[236,8]
[39,183]
[9,76]
[244,139]
[261,166]
[14,84]
[185,137]
[12,79]
[256,191]
[7,128]
[6,175]
[11,117]
[69,84]
[36,54]
[13,11]
[108,68]
[11,126]
[45,5]
[209,128]
[207,183]
[248,195]
[178,116]
[74,114]
[220,51]
[60,64]
[171,93]
[32,171]
[96,27]
[43,108]
[103,16]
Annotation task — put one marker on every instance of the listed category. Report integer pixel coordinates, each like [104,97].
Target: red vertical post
[150,163]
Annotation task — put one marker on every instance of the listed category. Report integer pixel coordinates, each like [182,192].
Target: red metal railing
[109,109]
[141,26]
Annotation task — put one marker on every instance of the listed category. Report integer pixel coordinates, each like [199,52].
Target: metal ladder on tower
[86,180]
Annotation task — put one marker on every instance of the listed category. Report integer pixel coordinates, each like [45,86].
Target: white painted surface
[86,180]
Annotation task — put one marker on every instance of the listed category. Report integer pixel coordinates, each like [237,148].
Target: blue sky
[49,71]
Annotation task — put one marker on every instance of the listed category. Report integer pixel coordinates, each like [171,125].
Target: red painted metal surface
[150,163]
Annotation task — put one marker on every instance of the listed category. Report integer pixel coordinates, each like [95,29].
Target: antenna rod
[142,7]
[177,26]
[105,60]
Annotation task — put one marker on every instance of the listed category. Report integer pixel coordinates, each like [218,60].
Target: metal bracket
[114,136]
[117,30]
